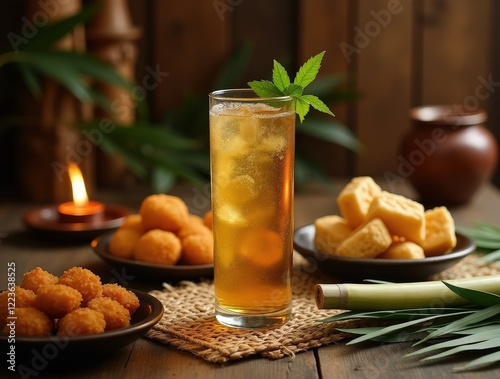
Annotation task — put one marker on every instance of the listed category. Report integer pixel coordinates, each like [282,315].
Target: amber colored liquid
[252,157]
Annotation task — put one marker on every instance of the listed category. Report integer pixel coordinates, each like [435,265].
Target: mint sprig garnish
[282,86]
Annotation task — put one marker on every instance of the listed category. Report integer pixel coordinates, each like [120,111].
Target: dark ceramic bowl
[144,318]
[150,271]
[396,270]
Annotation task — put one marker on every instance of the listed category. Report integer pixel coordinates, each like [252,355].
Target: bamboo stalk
[387,296]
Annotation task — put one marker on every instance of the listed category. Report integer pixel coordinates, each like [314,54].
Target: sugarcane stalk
[387,296]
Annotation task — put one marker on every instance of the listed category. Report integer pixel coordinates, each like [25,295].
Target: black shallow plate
[144,318]
[356,269]
[150,271]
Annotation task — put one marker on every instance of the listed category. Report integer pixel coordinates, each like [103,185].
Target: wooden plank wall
[322,28]
[406,53]
[383,72]
[494,109]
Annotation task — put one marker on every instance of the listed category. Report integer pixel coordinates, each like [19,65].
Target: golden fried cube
[367,241]
[402,216]
[440,232]
[330,231]
[355,199]
[403,250]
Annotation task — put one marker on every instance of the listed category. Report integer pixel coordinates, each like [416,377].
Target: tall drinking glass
[252,143]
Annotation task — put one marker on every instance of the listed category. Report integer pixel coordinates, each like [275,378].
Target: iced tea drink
[252,164]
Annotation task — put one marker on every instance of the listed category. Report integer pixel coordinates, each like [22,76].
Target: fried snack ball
[194,226]
[80,322]
[31,322]
[115,314]
[133,221]
[84,281]
[208,219]
[122,243]
[195,219]
[120,294]
[164,212]
[36,278]
[158,246]
[23,298]
[198,249]
[57,299]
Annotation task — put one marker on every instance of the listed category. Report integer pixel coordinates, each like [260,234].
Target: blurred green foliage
[178,147]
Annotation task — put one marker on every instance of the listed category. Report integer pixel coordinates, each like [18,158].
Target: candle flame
[80,197]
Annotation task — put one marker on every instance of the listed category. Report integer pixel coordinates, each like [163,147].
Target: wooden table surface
[149,359]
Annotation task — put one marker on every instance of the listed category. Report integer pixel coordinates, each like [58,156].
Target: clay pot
[448,153]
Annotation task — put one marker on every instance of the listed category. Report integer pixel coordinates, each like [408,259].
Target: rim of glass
[221,95]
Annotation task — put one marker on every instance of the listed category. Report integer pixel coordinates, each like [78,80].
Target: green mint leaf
[265,88]
[280,76]
[317,104]
[281,86]
[293,90]
[301,108]
[307,73]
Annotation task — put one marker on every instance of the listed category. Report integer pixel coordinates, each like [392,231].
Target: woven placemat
[189,323]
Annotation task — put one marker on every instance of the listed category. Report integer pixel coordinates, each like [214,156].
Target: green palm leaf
[485,234]
[140,133]
[467,328]
[234,67]
[485,360]
[491,257]
[89,66]
[405,336]
[69,69]
[323,88]
[486,237]
[482,298]
[31,80]
[401,326]
[397,314]
[486,226]
[468,320]
[487,344]
[483,327]
[51,33]
[331,131]
[134,161]
[476,337]
[142,161]
[162,179]
[305,170]
[64,74]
